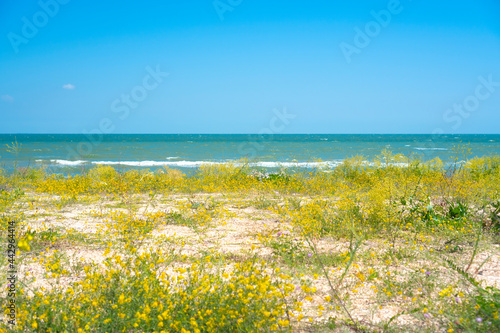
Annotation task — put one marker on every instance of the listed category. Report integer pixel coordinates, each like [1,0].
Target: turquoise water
[73,152]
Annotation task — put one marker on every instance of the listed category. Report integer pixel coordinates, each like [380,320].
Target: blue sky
[336,66]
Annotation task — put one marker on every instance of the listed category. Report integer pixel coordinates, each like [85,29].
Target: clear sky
[335,66]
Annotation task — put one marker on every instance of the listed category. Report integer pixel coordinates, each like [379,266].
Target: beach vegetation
[393,244]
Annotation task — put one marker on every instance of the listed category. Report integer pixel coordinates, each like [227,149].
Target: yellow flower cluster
[134,291]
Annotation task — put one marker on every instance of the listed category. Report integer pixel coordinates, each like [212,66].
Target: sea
[74,153]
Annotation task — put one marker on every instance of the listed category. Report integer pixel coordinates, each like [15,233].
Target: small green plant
[481,313]
[494,218]
[273,177]
[262,202]
[177,218]
[457,210]
[290,249]
[295,203]
[14,148]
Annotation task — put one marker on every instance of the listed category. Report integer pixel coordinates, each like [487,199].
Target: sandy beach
[334,275]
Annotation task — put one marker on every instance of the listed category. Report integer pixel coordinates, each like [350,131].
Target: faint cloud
[7,98]
[68,86]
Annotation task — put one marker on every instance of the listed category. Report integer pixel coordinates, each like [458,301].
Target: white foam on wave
[66,162]
[189,164]
[195,164]
[420,148]
[296,164]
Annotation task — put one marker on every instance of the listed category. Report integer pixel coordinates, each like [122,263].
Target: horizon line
[263,134]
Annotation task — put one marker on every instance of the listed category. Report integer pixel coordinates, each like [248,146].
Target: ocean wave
[420,148]
[188,164]
[195,164]
[66,162]
[296,164]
